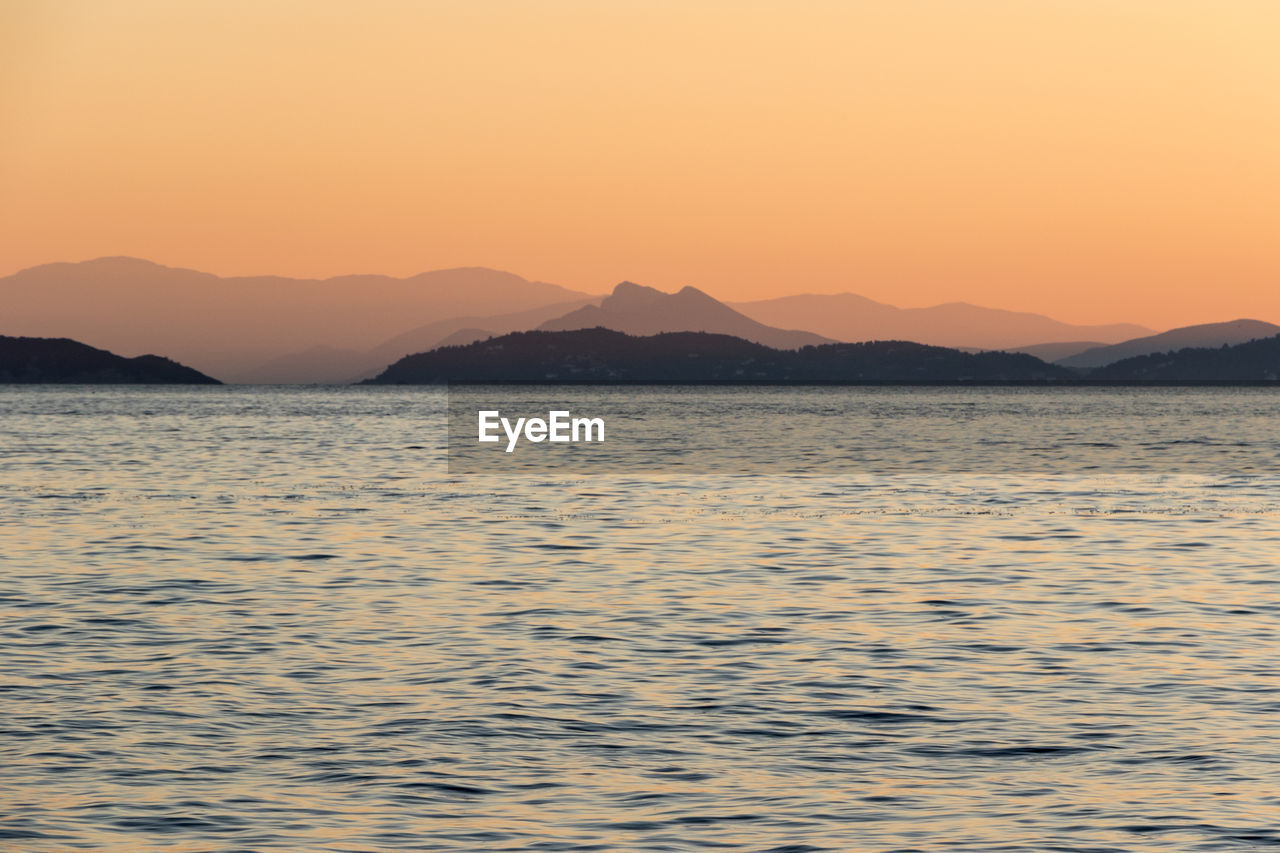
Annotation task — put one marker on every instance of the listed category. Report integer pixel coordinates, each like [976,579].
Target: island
[605,355]
[64,361]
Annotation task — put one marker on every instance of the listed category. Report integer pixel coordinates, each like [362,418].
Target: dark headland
[603,355]
[606,356]
[1253,361]
[62,360]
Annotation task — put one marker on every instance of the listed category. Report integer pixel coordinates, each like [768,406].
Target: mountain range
[849,317]
[331,365]
[1253,361]
[605,355]
[639,310]
[1204,335]
[271,329]
[225,326]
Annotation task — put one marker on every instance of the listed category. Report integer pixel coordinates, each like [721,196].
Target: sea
[931,619]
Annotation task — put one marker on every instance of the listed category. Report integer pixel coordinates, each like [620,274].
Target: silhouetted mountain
[639,310]
[442,332]
[1204,335]
[849,317]
[329,365]
[1254,361]
[228,325]
[33,360]
[605,355]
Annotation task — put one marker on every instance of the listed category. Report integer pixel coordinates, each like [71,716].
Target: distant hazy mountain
[605,355]
[329,365]
[849,317]
[1205,335]
[1056,351]
[320,365]
[31,360]
[639,310]
[1257,360]
[462,337]
[224,326]
[456,329]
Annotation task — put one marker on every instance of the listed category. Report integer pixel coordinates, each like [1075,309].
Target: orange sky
[1096,160]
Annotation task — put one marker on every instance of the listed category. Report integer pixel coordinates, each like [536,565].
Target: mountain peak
[629,295]
[635,309]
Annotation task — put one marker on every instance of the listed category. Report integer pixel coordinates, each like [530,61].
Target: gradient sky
[1096,160]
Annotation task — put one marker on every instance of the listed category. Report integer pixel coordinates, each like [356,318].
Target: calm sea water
[242,619]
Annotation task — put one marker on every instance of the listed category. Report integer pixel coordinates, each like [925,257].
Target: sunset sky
[1095,160]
